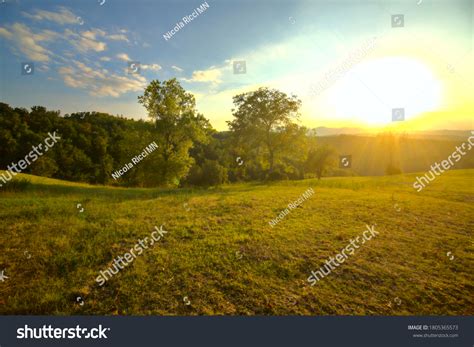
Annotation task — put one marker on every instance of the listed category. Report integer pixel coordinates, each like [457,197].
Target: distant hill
[439,134]
[411,153]
[324,131]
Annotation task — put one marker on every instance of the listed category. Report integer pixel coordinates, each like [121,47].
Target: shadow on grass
[111,192]
[121,193]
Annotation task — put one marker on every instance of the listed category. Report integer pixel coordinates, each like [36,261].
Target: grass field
[221,257]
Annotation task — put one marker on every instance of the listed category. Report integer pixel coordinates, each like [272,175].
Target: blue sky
[81,50]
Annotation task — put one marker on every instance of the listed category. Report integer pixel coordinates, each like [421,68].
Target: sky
[350,62]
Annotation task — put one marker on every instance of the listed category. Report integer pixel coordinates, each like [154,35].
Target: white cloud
[123,56]
[28,42]
[100,82]
[105,59]
[86,41]
[153,67]
[94,33]
[6,34]
[92,40]
[117,37]
[176,68]
[63,16]
[211,75]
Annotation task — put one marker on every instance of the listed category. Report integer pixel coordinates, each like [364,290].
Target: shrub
[210,174]
[194,177]
[277,175]
[213,173]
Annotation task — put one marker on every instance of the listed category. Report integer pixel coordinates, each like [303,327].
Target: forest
[263,134]
[264,143]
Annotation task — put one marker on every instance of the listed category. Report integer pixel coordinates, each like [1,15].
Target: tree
[319,160]
[266,117]
[178,125]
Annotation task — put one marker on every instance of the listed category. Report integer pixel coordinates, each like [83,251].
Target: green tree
[178,125]
[319,160]
[265,118]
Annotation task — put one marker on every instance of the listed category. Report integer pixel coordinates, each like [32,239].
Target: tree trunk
[271,159]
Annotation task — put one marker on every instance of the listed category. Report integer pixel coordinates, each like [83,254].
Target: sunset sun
[372,89]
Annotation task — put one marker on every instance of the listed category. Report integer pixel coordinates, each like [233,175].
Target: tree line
[264,141]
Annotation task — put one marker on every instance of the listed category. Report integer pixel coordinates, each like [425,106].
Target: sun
[371,91]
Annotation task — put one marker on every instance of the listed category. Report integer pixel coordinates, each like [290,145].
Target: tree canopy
[265,122]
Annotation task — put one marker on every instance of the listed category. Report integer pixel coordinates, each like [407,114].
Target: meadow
[221,256]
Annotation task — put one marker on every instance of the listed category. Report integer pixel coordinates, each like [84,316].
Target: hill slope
[221,256]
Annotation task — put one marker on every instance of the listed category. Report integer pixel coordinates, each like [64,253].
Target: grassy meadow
[221,257]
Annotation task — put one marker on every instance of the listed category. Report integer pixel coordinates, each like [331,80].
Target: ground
[221,256]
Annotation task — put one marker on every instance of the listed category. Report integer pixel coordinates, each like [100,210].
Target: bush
[210,174]
[194,177]
[213,173]
[277,175]
[253,171]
